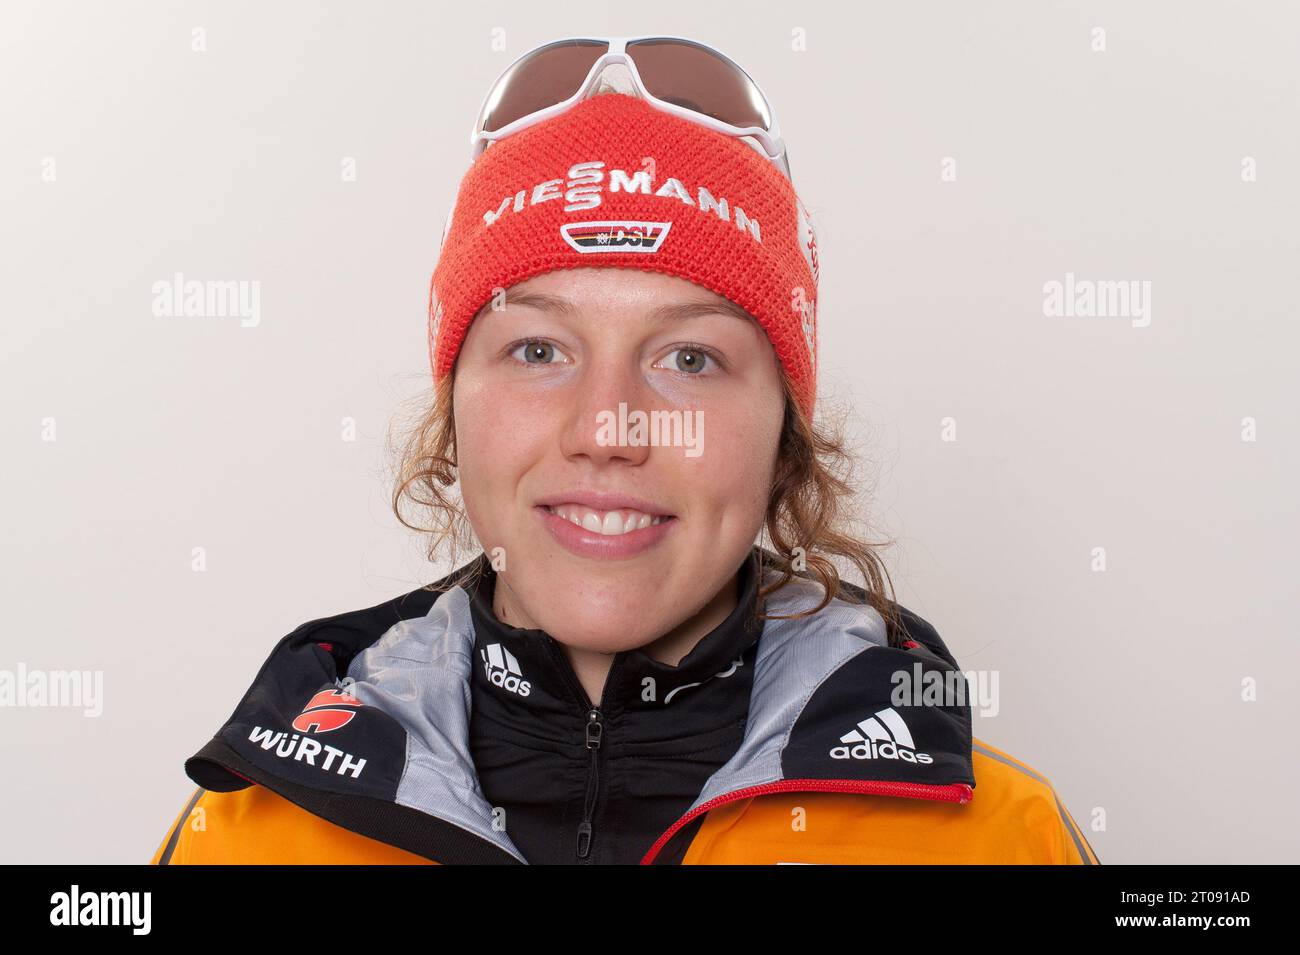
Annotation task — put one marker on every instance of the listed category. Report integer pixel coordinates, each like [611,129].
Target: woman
[622,334]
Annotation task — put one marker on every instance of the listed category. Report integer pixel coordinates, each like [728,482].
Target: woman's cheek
[737,438]
[491,419]
[739,450]
[499,438]
[477,448]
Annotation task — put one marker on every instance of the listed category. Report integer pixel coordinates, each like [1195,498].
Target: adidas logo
[503,669]
[881,736]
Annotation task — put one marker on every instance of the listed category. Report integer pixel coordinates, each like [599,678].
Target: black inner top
[575,784]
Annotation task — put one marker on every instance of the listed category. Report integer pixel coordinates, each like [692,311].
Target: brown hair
[812,493]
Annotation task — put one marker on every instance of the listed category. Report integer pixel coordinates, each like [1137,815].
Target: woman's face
[538,386]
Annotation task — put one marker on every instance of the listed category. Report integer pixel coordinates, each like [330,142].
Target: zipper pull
[584,839]
[594,730]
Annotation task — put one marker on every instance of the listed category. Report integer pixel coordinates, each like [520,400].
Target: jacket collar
[362,718]
[524,682]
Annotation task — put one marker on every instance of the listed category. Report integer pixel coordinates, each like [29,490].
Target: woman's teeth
[609,523]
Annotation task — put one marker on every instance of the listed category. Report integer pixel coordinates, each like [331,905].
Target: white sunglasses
[677,75]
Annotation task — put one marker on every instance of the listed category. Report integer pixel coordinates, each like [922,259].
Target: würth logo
[324,712]
[881,736]
[615,236]
[327,711]
[502,669]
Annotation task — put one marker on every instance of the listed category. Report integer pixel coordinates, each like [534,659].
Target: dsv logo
[615,236]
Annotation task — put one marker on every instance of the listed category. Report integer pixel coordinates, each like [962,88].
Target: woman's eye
[689,359]
[535,352]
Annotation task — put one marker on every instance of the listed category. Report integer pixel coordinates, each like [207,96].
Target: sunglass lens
[549,76]
[698,78]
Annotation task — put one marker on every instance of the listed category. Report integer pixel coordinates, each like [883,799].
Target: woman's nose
[601,405]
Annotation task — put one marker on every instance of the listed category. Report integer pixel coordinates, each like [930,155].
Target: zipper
[952,792]
[592,734]
[594,730]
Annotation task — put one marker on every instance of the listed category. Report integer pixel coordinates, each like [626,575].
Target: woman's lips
[609,522]
[585,542]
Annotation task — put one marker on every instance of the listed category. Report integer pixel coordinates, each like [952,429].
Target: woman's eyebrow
[541,301]
[680,311]
[669,312]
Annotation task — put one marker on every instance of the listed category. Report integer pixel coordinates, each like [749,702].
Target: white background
[1124,687]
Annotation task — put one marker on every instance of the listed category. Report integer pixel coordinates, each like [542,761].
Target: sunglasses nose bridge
[616,71]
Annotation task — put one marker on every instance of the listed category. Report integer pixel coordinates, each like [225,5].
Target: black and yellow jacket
[423,730]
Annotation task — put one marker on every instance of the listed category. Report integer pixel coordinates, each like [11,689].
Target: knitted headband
[616,182]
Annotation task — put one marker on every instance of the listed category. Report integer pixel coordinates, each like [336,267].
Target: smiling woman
[651,656]
[540,365]
[625,553]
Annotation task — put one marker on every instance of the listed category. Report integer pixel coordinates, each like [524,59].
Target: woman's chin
[602,632]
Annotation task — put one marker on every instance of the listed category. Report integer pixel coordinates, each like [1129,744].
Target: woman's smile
[607,535]
[602,524]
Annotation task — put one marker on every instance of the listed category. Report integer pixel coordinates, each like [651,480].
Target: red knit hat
[616,182]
